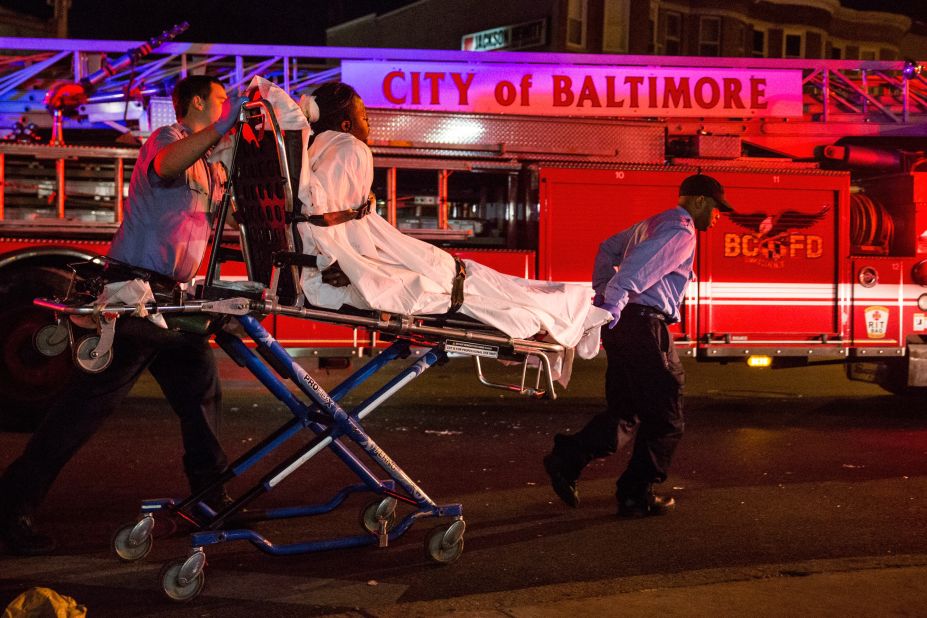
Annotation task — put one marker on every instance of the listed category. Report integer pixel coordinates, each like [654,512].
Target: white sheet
[390,271]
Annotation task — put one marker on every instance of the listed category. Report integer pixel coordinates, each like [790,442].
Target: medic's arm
[611,251]
[175,158]
[667,246]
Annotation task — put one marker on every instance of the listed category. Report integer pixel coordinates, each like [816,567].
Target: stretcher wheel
[376,510]
[51,340]
[444,544]
[176,586]
[83,355]
[133,541]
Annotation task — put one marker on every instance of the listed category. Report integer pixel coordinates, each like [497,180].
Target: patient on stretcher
[387,270]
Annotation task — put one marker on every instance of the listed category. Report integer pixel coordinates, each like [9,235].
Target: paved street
[784,480]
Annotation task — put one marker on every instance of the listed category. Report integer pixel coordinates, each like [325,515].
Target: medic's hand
[615,310]
[231,109]
[335,277]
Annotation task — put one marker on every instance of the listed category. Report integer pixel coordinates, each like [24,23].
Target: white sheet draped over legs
[392,272]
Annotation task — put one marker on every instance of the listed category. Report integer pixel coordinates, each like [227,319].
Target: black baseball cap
[700,184]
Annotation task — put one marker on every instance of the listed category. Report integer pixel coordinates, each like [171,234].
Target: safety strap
[113,270]
[333,218]
[457,289]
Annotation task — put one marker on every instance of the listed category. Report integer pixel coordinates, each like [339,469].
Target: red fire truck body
[824,260]
[756,292]
[784,276]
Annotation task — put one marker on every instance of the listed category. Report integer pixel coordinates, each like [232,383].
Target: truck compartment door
[769,272]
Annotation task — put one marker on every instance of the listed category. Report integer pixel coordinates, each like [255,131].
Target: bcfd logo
[771,239]
[876,322]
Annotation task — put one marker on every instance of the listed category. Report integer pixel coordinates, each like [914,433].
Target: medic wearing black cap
[640,276]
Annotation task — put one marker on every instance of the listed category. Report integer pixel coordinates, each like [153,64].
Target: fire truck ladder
[135,98]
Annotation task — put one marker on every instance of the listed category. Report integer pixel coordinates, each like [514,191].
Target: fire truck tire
[894,379]
[29,380]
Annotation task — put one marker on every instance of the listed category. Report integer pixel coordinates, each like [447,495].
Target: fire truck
[526,162]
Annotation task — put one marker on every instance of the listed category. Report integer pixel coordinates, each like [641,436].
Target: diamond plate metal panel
[717,146]
[767,166]
[520,137]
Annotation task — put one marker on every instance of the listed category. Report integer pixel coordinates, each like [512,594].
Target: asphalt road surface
[782,472]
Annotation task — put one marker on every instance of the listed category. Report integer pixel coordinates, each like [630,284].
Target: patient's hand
[335,277]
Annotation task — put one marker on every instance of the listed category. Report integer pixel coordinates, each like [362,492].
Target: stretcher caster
[444,544]
[86,357]
[183,579]
[133,541]
[379,511]
[51,340]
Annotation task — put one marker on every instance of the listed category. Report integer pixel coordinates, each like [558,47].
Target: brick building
[737,28]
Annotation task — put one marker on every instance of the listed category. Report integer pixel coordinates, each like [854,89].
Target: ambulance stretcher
[262,184]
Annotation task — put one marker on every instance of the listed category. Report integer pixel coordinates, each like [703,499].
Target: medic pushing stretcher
[398,287]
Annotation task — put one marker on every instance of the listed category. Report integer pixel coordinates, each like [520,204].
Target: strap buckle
[457,293]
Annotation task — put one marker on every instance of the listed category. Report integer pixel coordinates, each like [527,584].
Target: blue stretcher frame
[211,525]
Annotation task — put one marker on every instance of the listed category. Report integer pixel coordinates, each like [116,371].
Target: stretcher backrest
[264,190]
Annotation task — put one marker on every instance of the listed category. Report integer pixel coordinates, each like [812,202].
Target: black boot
[563,486]
[647,505]
[22,538]
[218,499]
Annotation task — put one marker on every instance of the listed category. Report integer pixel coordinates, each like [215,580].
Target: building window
[709,36]
[741,40]
[759,44]
[868,54]
[654,44]
[576,23]
[836,53]
[793,46]
[672,33]
[615,28]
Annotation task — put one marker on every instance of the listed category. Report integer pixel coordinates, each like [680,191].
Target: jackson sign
[553,90]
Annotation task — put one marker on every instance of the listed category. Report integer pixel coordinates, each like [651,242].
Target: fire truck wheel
[893,377]
[29,380]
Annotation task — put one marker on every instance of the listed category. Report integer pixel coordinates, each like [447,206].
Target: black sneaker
[563,487]
[23,539]
[649,506]
[218,500]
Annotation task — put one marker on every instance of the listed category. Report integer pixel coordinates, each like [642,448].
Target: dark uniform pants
[643,390]
[184,367]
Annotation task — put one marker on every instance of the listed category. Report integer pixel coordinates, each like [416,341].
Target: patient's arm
[335,277]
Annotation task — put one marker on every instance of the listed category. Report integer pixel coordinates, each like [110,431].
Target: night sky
[916,9]
[285,22]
